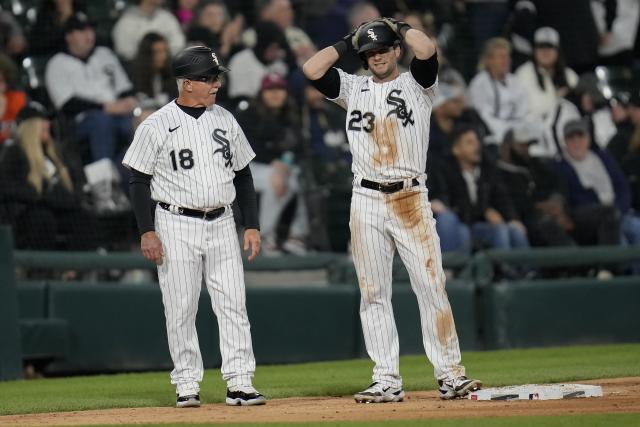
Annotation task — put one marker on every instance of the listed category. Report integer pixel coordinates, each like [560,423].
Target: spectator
[622,112]
[12,40]
[521,26]
[185,12]
[40,197]
[88,85]
[448,107]
[617,23]
[11,99]
[495,93]
[545,78]
[47,34]
[148,16]
[270,55]
[574,21]
[153,80]
[594,107]
[599,193]
[282,14]
[274,131]
[471,189]
[213,27]
[535,190]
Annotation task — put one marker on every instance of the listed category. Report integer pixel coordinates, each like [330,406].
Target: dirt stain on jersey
[384,135]
[444,326]
[431,268]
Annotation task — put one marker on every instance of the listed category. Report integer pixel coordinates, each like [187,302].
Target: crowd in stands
[535,131]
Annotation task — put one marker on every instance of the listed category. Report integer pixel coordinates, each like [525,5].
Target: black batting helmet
[375,35]
[197,61]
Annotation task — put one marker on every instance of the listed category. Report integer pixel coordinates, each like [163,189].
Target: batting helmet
[197,61]
[375,35]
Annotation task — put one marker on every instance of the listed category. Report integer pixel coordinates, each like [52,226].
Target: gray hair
[179,82]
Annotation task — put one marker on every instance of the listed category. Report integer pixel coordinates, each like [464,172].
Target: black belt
[208,215]
[390,187]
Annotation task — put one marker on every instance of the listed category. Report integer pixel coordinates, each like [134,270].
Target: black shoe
[245,396]
[190,401]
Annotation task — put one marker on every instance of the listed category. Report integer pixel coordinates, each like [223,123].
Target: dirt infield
[620,396]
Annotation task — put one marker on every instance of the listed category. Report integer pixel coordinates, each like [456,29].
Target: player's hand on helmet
[252,242]
[151,247]
[398,27]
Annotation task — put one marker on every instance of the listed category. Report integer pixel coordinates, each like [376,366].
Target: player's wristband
[341,47]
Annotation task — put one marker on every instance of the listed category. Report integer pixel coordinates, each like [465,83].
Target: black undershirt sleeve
[425,71]
[328,84]
[140,193]
[246,197]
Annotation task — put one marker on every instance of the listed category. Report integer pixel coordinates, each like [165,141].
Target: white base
[537,392]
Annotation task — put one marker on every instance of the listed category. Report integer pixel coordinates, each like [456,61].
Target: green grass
[618,420]
[495,368]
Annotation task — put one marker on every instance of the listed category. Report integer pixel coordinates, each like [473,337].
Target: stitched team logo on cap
[215,58]
[372,34]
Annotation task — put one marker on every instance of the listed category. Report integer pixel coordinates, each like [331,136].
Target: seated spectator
[39,196]
[546,78]
[447,109]
[282,14]
[520,28]
[12,40]
[47,34]
[535,190]
[496,94]
[148,16]
[213,27]
[153,80]
[625,147]
[88,85]
[472,190]
[271,54]
[11,99]
[274,131]
[598,192]
[623,112]
[594,107]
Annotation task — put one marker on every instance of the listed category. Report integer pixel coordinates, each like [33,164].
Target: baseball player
[192,159]
[388,130]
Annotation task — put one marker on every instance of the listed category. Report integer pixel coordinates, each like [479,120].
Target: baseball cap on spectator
[527,133]
[546,37]
[77,21]
[447,92]
[31,110]
[273,81]
[575,126]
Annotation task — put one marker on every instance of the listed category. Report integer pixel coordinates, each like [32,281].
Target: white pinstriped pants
[193,249]
[379,224]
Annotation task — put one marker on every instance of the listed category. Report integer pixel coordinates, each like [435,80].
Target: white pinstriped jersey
[387,125]
[192,161]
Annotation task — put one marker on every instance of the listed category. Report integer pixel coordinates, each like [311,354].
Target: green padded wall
[303,323]
[562,312]
[10,349]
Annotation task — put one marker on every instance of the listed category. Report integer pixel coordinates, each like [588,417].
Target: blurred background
[534,146]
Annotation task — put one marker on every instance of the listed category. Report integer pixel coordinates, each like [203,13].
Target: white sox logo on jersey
[372,35]
[225,149]
[400,109]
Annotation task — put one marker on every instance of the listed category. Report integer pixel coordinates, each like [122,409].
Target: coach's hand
[252,241]
[151,247]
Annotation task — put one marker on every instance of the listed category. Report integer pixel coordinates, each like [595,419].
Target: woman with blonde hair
[38,196]
[495,93]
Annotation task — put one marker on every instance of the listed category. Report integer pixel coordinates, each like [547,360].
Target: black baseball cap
[31,110]
[77,21]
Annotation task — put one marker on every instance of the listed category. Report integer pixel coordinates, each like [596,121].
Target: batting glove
[398,27]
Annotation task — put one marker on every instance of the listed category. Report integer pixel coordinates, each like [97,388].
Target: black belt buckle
[194,213]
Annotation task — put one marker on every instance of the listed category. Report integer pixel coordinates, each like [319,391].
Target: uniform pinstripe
[388,130]
[192,162]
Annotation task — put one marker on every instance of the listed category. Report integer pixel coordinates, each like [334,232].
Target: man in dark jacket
[599,193]
[471,189]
